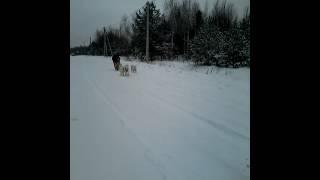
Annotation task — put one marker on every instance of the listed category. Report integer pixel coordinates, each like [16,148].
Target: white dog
[124,70]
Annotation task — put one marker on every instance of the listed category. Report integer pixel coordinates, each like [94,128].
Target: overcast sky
[86,16]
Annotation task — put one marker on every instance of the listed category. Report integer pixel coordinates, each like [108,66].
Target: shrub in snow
[212,46]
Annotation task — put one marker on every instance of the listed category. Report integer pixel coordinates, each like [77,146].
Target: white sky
[86,16]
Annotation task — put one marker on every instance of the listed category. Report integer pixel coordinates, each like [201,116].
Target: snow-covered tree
[245,26]
[208,45]
[222,40]
[235,47]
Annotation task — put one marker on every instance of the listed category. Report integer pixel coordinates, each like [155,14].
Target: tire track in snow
[123,119]
[216,125]
[148,154]
[193,91]
[178,92]
[171,86]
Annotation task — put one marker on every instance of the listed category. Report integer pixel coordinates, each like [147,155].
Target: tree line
[216,36]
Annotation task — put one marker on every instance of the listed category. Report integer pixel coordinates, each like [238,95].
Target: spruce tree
[139,31]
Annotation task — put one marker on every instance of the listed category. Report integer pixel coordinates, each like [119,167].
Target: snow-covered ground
[169,121]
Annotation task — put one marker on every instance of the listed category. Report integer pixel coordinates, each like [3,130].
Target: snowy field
[168,121]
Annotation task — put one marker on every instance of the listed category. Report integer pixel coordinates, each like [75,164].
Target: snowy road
[168,121]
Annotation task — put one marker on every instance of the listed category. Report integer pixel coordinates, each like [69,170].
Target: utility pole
[109,46]
[104,42]
[174,24]
[189,23]
[147,43]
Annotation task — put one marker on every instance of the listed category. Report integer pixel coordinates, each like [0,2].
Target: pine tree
[139,31]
